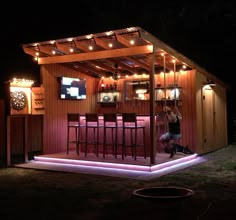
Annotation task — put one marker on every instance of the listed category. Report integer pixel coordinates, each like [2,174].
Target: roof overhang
[130,49]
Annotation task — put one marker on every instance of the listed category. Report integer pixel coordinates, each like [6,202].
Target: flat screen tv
[72,88]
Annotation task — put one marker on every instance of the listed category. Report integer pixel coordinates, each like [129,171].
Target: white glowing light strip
[116,165]
[174,162]
[95,163]
[119,170]
[93,167]
[179,165]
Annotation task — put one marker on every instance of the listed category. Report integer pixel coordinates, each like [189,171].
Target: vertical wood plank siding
[218,103]
[55,124]
[2,133]
[17,133]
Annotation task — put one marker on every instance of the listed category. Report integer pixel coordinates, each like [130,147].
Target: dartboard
[18,100]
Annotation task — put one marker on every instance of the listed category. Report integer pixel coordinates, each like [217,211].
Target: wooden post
[152,109]
[8,141]
[26,138]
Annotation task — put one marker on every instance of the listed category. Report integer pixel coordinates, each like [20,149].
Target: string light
[21,82]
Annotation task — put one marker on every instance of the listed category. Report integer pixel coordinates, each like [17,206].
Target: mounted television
[72,88]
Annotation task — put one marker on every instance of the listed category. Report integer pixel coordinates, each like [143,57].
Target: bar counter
[142,119]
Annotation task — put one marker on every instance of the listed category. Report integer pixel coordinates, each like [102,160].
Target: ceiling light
[131,42]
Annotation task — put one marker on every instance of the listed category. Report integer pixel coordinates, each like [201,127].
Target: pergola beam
[147,49]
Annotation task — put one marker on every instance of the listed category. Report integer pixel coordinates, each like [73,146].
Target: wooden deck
[109,166]
[160,158]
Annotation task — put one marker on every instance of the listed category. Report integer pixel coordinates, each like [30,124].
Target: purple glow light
[117,171]
[95,163]
[114,166]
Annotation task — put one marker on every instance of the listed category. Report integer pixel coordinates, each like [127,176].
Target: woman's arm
[177,112]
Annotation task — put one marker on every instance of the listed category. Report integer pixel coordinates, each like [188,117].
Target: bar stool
[74,124]
[110,123]
[129,122]
[92,123]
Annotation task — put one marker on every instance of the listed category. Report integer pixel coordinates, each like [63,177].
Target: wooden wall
[199,109]
[188,109]
[17,133]
[48,132]
[55,118]
[56,109]
[221,132]
[191,107]
[186,81]
[2,133]
[211,116]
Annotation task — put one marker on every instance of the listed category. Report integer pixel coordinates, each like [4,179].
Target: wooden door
[208,119]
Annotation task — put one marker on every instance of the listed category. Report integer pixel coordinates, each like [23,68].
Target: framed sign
[38,103]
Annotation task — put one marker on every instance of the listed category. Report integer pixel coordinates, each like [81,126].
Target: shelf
[108,97]
[168,87]
[169,101]
[108,102]
[108,91]
[168,93]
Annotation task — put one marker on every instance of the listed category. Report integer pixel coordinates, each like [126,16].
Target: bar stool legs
[95,133]
[130,124]
[72,141]
[73,122]
[92,122]
[113,141]
[110,123]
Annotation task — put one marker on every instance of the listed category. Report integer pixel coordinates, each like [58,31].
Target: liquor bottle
[102,86]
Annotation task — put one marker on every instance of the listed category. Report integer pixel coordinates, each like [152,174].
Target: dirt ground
[34,194]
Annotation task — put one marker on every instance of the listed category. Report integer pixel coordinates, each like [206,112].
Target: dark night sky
[204,32]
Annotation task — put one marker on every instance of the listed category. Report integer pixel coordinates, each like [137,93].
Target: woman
[174,130]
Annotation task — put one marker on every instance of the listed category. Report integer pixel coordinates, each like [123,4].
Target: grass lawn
[35,194]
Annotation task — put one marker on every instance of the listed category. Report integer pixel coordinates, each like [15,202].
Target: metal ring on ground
[164,194]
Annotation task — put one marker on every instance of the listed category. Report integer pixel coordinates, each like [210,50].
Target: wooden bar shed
[121,58]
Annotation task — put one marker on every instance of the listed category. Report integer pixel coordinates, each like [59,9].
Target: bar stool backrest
[73,122]
[110,117]
[91,117]
[129,117]
[73,117]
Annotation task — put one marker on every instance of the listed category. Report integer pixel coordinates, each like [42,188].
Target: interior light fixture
[132,42]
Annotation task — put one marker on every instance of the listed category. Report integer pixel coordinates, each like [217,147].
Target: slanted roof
[125,50]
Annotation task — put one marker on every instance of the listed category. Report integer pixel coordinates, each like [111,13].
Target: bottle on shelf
[115,86]
[106,87]
[111,87]
[102,86]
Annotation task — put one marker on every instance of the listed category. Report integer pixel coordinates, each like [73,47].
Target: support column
[25,140]
[152,109]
